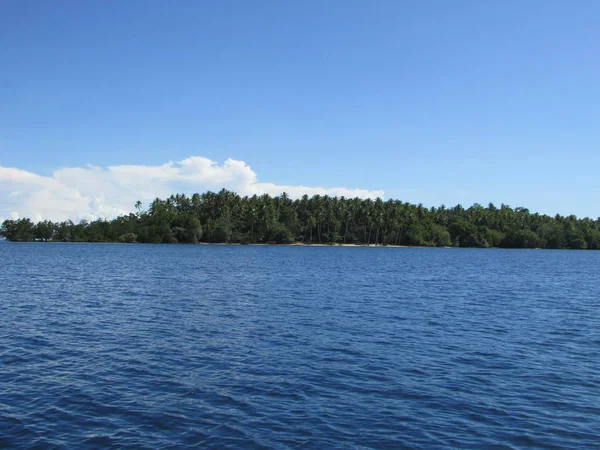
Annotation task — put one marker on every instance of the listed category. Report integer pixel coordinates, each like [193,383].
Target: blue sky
[430,101]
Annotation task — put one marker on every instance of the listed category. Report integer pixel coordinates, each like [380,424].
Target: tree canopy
[226,217]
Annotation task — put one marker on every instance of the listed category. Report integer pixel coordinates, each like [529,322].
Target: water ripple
[160,347]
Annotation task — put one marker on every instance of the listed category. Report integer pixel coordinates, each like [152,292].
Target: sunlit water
[292,347]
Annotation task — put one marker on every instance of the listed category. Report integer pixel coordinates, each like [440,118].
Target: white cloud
[90,192]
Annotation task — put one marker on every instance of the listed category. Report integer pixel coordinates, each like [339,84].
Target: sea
[282,347]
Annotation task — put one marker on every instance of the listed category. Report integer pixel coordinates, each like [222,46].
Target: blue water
[140,346]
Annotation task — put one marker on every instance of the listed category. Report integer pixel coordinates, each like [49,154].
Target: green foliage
[227,217]
[593,239]
[493,238]
[21,230]
[576,239]
[552,234]
[128,238]
[279,234]
[440,237]
[414,235]
[521,239]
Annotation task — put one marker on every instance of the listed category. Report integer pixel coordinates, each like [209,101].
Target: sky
[433,102]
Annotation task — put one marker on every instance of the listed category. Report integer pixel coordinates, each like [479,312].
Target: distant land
[226,217]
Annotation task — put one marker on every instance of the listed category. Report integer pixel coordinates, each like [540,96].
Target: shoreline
[258,244]
[295,244]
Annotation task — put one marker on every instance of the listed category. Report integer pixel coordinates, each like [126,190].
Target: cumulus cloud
[91,192]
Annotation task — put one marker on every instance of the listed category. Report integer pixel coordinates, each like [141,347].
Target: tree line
[226,217]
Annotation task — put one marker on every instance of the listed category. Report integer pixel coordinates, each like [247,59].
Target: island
[226,217]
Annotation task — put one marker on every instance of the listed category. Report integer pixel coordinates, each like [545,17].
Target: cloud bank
[95,192]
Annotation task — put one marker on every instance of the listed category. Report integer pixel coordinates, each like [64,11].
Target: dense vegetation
[227,217]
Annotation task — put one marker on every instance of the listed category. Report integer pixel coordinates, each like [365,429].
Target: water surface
[152,346]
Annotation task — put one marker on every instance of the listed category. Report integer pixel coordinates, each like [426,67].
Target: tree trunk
[346,231]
